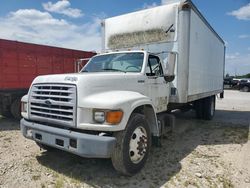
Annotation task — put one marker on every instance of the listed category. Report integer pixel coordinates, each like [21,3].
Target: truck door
[156,86]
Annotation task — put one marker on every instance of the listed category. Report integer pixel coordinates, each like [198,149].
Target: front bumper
[82,144]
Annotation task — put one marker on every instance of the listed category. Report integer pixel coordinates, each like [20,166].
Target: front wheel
[132,146]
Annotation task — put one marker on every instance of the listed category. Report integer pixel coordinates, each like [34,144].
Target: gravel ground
[198,154]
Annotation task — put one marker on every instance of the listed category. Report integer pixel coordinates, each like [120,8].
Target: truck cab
[75,112]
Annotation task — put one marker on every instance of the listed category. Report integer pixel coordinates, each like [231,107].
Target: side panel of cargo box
[206,60]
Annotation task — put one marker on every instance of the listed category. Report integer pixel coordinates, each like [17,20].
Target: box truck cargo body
[153,61]
[176,28]
[21,62]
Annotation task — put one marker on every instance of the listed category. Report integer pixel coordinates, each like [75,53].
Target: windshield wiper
[84,71]
[114,70]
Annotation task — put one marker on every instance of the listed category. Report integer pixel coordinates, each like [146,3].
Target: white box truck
[153,61]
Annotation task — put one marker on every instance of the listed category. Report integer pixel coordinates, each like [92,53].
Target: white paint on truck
[155,61]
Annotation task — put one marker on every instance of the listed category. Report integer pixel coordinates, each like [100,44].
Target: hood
[92,83]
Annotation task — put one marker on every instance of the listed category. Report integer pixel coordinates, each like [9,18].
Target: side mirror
[169,76]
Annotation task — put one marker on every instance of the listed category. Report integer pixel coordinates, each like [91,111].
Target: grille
[53,103]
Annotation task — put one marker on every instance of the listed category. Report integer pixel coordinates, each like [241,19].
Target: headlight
[110,116]
[24,107]
[99,116]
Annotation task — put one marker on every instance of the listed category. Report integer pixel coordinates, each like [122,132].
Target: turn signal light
[114,117]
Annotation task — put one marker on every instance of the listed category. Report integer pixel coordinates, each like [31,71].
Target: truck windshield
[117,62]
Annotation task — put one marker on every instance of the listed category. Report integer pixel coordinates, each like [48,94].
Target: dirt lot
[198,154]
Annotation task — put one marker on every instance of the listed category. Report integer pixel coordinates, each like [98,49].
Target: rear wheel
[199,108]
[205,108]
[209,108]
[7,114]
[245,89]
[132,146]
[15,108]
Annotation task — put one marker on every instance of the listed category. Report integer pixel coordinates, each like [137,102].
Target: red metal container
[21,62]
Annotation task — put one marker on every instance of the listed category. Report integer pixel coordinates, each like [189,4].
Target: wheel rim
[138,145]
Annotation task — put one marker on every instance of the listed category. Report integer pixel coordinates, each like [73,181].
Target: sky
[76,24]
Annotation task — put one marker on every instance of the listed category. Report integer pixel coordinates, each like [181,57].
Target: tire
[199,110]
[45,147]
[245,89]
[15,109]
[132,147]
[209,108]
[7,114]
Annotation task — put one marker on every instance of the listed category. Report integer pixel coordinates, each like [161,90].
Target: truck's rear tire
[199,108]
[205,108]
[7,114]
[209,108]
[132,146]
[15,108]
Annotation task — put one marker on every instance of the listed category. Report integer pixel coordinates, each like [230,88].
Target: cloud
[146,6]
[62,7]
[243,13]
[232,56]
[167,1]
[237,63]
[31,25]
[244,36]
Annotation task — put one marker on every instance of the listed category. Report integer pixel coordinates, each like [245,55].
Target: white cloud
[244,36]
[146,6]
[167,1]
[243,13]
[237,63]
[232,56]
[63,7]
[31,25]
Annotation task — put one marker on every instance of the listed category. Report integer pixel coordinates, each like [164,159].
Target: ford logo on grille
[48,102]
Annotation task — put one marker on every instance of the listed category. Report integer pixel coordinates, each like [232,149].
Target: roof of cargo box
[147,26]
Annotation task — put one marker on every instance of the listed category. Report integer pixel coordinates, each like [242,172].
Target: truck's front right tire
[132,146]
